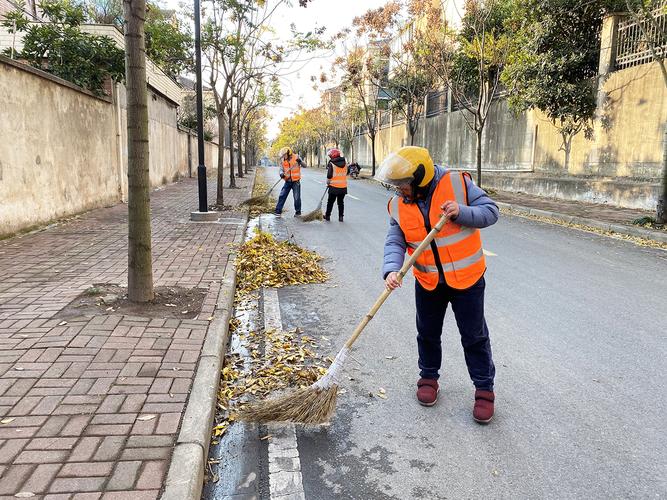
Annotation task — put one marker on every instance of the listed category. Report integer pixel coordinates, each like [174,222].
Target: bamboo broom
[259,200]
[317,213]
[316,404]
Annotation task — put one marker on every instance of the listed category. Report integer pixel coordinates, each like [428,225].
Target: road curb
[186,472]
[605,226]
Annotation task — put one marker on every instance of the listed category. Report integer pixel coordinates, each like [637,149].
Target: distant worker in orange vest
[290,172]
[337,182]
[450,271]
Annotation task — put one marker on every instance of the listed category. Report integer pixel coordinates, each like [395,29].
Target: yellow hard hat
[285,151]
[409,165]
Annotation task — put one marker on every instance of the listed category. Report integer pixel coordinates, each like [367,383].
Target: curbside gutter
[186,472]
[584,221]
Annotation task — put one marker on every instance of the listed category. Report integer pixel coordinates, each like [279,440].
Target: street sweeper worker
[337,182]
[450,272]
[290,172]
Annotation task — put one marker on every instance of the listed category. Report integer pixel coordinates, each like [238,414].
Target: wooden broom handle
[404,270]
[275,185]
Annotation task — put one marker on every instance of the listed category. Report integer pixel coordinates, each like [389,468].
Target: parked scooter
[353,170]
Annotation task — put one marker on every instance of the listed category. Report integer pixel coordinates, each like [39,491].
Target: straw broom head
[312,405]
[314,215]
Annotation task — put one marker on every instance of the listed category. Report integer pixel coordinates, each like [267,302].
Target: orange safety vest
[459,247]
[291,169]
[339,177]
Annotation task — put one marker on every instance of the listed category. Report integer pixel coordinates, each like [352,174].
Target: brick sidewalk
[90,407]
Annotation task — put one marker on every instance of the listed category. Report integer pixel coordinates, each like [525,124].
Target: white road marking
[489,254]
[354,197]
[285,480]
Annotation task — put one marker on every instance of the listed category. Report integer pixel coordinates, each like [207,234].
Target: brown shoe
[427,391]
[483,410]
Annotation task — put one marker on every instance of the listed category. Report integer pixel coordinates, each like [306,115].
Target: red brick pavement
[90,407]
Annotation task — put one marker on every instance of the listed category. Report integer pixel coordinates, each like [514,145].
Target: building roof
[189,84]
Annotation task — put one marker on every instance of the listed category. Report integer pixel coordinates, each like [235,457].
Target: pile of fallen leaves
[260,189]
[288,360]
[265,262]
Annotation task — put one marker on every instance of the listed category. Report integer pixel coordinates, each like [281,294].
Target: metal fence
[436,103]
[385,118]
[635,38]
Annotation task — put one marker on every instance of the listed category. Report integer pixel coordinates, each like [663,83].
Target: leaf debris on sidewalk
[637,240]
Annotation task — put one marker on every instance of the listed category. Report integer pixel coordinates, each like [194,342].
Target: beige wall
[57,152]
[620,164]
[64,151]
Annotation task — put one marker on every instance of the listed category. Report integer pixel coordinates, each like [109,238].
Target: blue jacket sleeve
[394,249]
[481,210]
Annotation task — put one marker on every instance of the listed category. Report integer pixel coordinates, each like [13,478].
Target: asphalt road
[578,326]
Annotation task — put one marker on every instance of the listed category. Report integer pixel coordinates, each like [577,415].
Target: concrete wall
[57,153]
[620,165]
[64,151]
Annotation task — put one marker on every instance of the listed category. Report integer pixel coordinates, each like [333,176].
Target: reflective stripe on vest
[291,169]
[459,248]
[339,177]
[452,266]
[449,240]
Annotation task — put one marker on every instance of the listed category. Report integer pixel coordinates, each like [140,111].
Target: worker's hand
[392,282]
[450,209]
[282,175]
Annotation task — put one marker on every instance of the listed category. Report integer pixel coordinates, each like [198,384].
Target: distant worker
[337,182]
[290,172]
[450,271]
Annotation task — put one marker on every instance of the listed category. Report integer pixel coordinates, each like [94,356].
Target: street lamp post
[203,214]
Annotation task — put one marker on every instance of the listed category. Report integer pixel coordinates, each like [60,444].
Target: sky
[334,15]
[297,89]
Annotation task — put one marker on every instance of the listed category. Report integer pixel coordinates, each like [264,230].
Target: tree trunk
[661,211]
[239,153]
[247,150]
[239,159]
[373,154]
[139,254]
[230,126]
[479,156]
[220,198]
[567,148]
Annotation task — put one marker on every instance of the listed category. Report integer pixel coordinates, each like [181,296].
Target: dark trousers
[468,307]
[284,192]
[339,197]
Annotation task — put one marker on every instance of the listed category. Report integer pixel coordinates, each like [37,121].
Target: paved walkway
[597,211]
[90,407]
